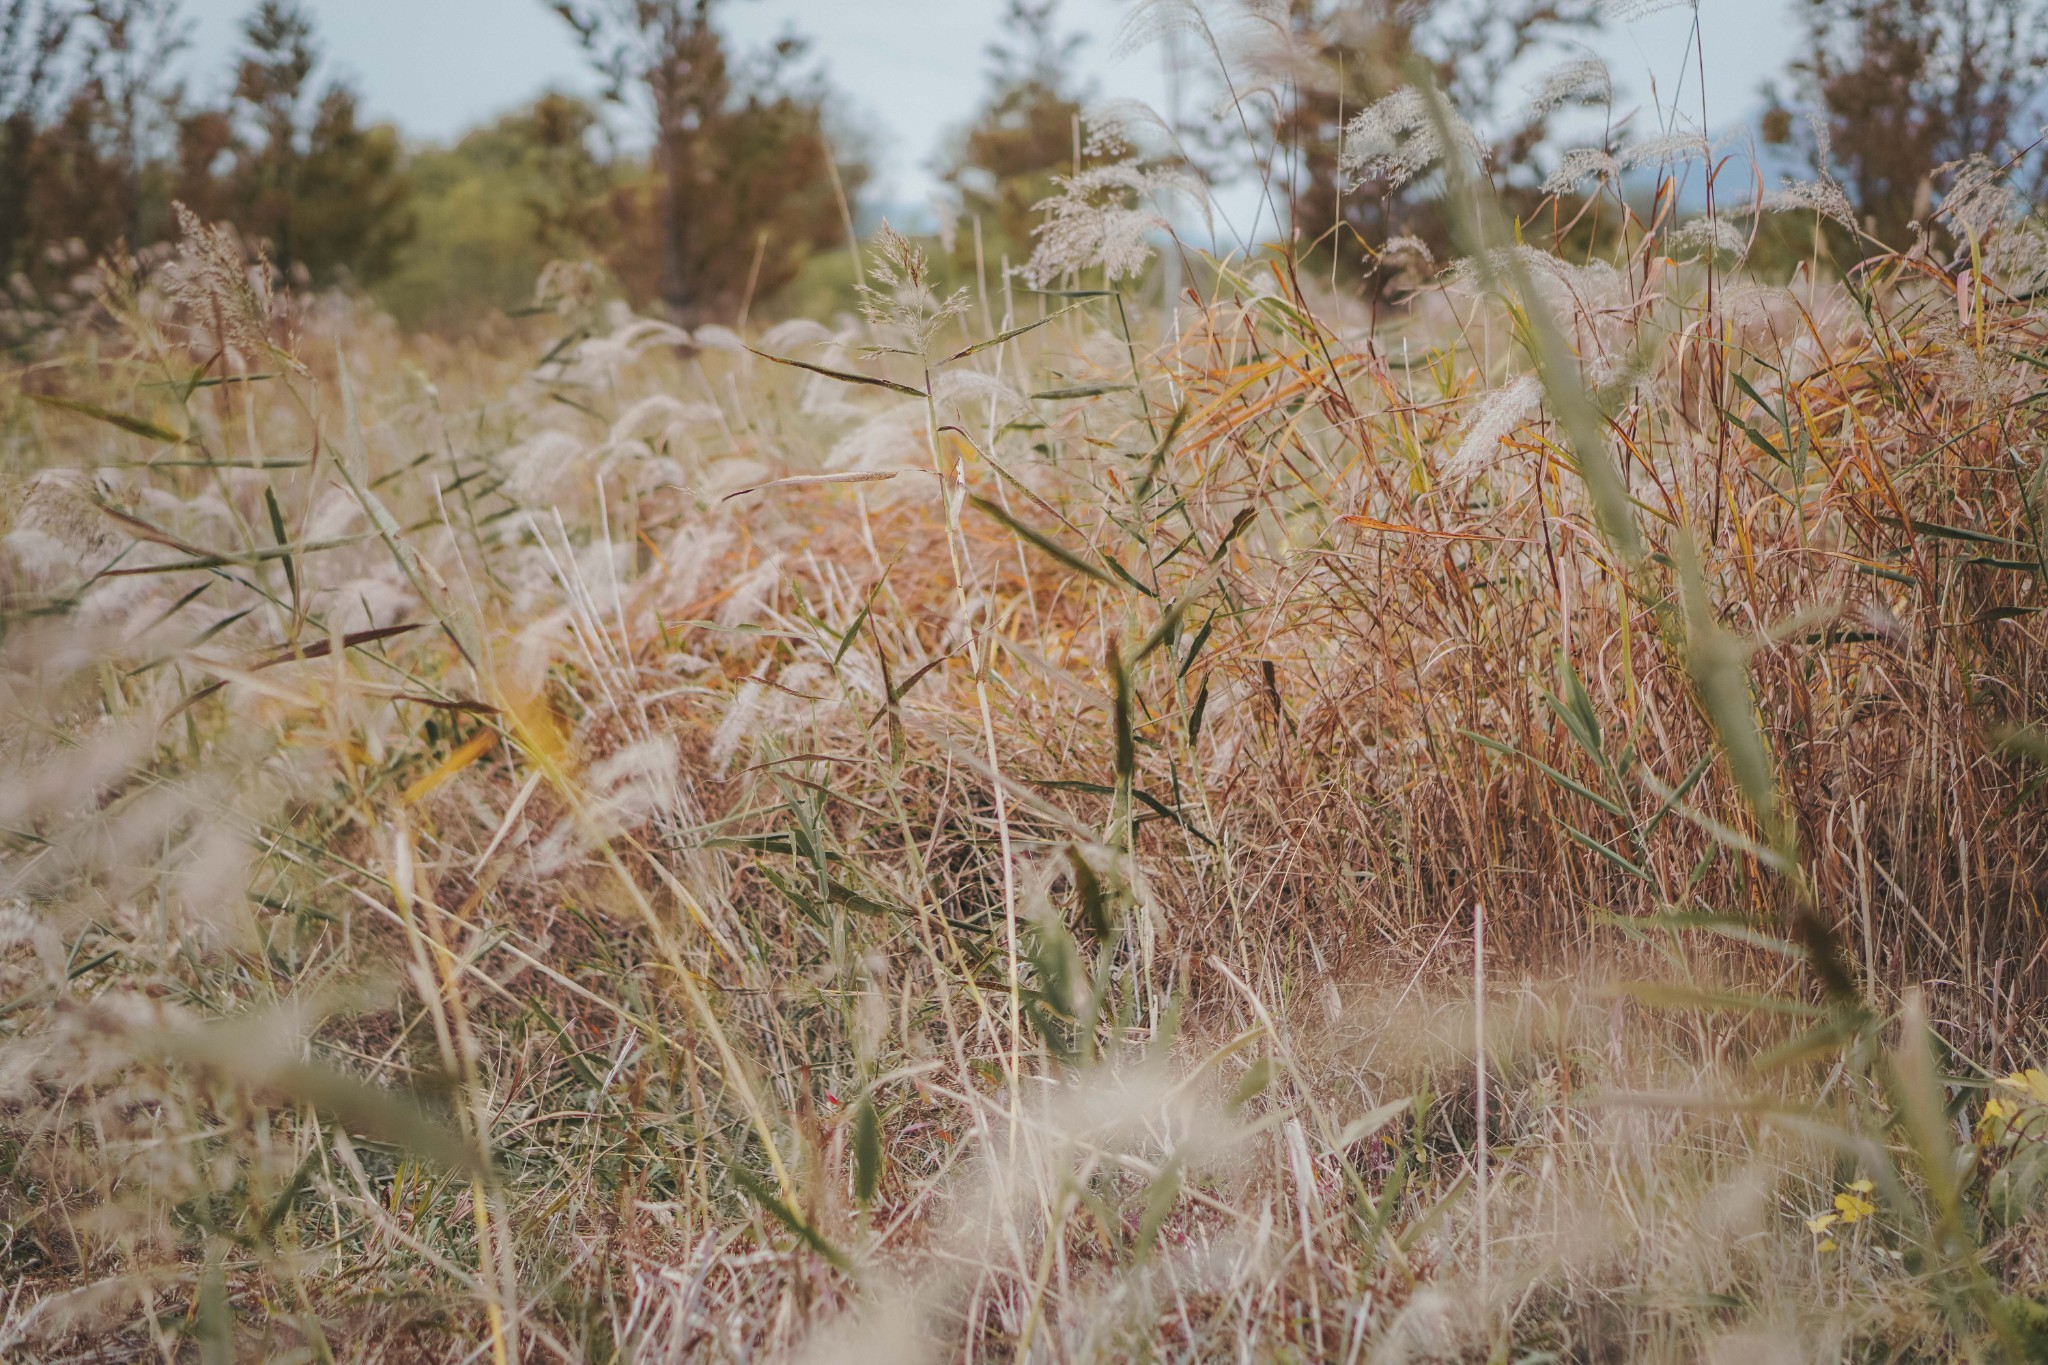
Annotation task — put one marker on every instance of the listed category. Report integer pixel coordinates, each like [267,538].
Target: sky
[910,69]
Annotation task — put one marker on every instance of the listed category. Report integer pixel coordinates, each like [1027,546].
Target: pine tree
[746,185]
[33,37]
[87,108]
[325,193]
[1002,165]
[129,51]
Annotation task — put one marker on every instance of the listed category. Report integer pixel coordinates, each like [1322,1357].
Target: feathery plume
[212,279]
[1396,139]
[1625,11]
[1582,81]
[1106,217]
[903,301]
[1824,197]
[1577,166]
[1666,148]
[1706,236]
[1498,414]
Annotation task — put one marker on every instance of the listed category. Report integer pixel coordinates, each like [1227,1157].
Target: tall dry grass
[1505,830]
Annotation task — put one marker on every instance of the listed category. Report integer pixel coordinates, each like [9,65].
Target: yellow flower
[1854,1207]
[1822,1223]
[1828,1245]
[2031,1084]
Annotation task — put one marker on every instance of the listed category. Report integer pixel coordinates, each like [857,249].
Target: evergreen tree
[1002,165]
[33,38]
[86,113]
[327,194]
[744,171]
[130,47]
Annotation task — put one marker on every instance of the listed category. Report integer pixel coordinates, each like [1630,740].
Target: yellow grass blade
[473,749]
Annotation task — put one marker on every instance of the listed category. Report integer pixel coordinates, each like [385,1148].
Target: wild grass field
[1045,824]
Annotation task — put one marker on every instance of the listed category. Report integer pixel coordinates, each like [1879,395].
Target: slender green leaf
[1083,391]
[291,573]
[1369,1123]
[759,1192]
[1674,996]
[867,1150]
[1570,784]
[1160,1198]
[1585,840]
[135,426]
[1043,542]
[1010,335]
[843,376]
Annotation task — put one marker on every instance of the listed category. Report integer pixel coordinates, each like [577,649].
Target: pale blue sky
[911,68]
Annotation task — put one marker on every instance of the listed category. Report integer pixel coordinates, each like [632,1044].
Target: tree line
[738,171]
[98,138]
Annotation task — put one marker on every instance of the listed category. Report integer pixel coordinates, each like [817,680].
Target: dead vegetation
[1509,834]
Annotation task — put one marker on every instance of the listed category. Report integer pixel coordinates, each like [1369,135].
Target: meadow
[1040,823]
